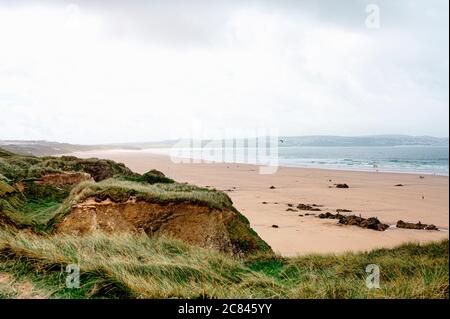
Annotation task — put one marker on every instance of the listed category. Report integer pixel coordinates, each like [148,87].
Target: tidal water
[407,159]
[404,159]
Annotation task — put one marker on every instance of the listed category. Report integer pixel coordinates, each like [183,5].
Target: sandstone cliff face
[64,178]
[194,224]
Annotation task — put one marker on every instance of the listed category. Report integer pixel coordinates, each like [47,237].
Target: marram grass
[137,266]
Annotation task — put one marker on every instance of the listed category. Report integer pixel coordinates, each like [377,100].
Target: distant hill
[41,148]
[45,148]
[320,140]
[375,140]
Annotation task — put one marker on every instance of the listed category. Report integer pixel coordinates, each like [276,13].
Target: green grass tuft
[136,266]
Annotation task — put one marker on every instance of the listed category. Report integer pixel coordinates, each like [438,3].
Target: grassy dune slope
[136,266]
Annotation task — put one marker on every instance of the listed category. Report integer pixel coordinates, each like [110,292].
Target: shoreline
[370,194]
[202,162]
[308,162]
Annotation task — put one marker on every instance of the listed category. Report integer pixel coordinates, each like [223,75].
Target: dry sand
[370,194]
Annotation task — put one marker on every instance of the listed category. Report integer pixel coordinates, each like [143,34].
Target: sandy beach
[370,194]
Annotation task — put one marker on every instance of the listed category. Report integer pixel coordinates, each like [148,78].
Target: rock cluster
[419,225]
[312,207]
[369,223]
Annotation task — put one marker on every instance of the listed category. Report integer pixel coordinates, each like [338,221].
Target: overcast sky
[121,71]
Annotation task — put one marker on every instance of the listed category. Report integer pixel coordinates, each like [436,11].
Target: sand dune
[370,194]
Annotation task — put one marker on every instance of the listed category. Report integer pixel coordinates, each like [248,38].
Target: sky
[93,71]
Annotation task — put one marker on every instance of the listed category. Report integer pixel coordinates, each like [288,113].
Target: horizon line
[239,137]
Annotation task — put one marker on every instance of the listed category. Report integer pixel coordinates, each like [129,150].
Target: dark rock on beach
[341,185]
[329,215]
[308,207]
[373,223]
[419,225]
[369,223]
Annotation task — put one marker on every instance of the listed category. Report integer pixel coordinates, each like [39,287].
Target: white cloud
[68,74]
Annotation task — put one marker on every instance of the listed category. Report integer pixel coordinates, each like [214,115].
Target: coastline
[370,194]
[317,163]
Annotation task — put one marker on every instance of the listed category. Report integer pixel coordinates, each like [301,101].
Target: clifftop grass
[136,266]
[16,168]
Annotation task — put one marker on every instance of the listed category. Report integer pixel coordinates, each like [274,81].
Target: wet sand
[370,194]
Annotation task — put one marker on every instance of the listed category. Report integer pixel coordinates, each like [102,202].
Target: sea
[418,159]
[403,159]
